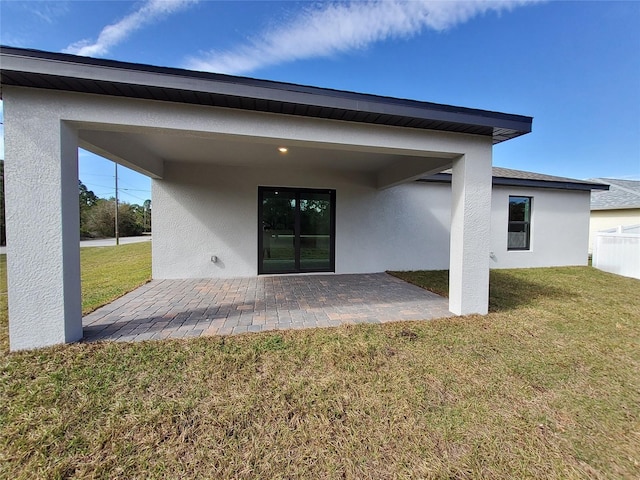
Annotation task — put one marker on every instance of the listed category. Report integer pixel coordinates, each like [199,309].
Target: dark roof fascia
[524,183]
[35,64]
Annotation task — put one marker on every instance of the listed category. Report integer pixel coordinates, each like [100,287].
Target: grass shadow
[513,289]
[508,289]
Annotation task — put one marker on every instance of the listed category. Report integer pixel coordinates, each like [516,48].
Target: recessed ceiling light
[283,149]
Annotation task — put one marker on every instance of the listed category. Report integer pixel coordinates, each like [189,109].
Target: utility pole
[117,233]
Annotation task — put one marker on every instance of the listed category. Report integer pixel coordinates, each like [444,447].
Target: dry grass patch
[546,386]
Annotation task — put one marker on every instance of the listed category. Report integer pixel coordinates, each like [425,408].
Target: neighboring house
[258,177]
[617,207]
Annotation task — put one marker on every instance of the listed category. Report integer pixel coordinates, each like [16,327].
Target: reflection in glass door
[278,231]
[315,231]
[297,230]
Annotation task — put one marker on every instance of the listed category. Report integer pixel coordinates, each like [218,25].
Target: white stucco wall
[470,234]
[202,210]
[42,215]
[559,228]
[606,219]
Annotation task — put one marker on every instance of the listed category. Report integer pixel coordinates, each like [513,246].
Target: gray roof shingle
[521,178]
[622,194]
[501,172]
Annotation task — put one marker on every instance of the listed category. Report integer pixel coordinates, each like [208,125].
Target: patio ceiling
[161,145]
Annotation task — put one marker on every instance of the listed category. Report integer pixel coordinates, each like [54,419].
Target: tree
[146,223]
[87,197]
[101,219]
[88,200]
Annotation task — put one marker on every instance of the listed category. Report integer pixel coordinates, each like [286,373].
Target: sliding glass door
[296,230]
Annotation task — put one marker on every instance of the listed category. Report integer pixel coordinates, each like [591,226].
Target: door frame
[332,233]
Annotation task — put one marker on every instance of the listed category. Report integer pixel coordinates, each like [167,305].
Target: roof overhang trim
[37,69]
[525,183]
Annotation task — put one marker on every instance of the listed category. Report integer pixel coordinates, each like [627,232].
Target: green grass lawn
[110,272]
[545,386]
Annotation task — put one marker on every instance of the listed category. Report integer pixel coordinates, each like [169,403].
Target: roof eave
[27,65]
[525,183]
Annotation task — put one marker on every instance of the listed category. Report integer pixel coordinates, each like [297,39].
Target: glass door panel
[296,230]
[315,231]
[278,231]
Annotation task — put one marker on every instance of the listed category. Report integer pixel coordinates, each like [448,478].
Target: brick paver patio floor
[190,308]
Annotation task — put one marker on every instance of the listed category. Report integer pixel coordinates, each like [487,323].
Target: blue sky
[573,66]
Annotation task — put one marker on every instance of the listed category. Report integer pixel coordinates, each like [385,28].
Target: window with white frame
[519,236]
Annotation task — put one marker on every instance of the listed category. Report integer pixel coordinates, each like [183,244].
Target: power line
[139,198]
[135,190]
[102,195]
[119,188]
[124,182]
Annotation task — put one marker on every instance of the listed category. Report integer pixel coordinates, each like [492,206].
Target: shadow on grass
[508,289]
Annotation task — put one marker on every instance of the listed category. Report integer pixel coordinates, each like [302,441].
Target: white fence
[618,251]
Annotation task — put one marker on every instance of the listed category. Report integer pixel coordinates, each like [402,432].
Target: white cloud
[111,35]
[48,11]
[327,29]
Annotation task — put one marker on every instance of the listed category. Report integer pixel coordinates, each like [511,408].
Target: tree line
[97,215]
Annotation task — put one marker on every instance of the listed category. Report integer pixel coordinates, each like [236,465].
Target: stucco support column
[470,233]
[42,218]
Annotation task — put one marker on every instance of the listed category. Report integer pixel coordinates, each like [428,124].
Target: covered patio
[213,145]
[196,307]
